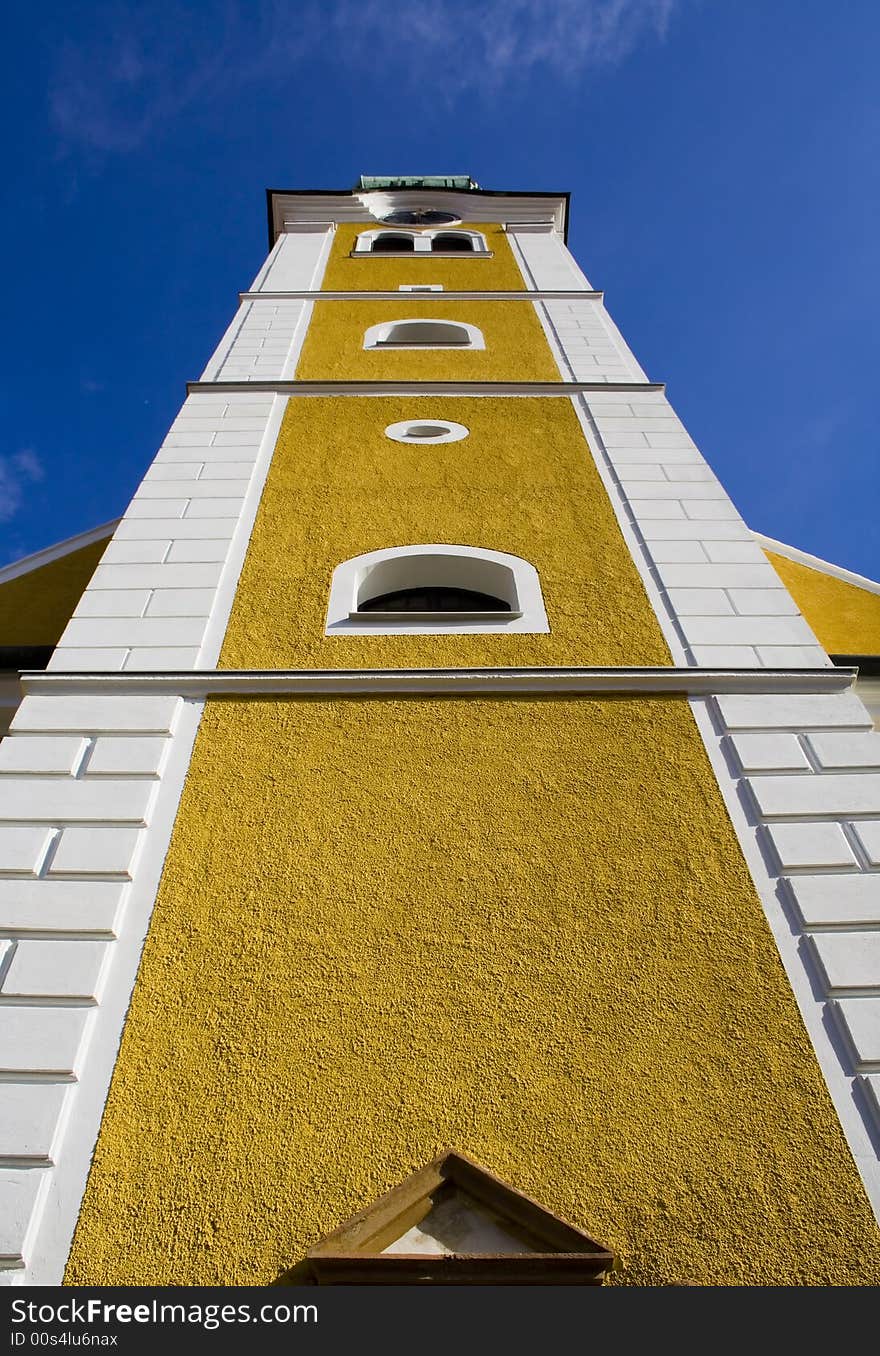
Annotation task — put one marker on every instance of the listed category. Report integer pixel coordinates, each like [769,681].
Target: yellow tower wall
[518,928]
[522,482]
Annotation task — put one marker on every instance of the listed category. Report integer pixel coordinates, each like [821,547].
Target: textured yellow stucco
[36,607]
[845,618]
[516,348]
[518,928]
[522,482]
[465,273]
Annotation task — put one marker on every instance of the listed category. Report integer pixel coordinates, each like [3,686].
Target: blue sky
[722,157]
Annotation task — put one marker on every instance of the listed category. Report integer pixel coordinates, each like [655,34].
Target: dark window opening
[393,244]
[452,244]
[428,217]
[434,599]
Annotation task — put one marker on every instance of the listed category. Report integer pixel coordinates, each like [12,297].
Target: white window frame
[452,433]
[377,335]
[464,566]
[363,245]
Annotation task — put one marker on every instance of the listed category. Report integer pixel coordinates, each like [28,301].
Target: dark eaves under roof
[350,193]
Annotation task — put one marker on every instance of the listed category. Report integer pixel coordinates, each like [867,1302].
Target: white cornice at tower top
[289,209]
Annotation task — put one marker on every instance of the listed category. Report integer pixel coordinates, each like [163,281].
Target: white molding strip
[691,681]
[450,388]
[58,551]
[395,295]
[859,581]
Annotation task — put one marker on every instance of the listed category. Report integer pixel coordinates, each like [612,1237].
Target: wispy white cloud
[113,93]
[18,473]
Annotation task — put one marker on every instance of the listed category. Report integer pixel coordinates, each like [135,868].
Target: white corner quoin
[493,572]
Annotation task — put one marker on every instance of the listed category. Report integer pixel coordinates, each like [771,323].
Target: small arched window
[424,332]
[435,589]
[449,243]
[390,243]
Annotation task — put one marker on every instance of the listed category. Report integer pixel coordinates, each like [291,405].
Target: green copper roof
[372,182]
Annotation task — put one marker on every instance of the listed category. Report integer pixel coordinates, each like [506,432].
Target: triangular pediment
[455,1223]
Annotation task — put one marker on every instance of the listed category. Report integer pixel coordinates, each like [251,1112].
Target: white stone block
[29,1115]
[112,603]
[76,659]
[134,757]
[19,1192]
[645,509]
[858,1020]
[709,508]
[147,552]
[828,793]
[214,508]
[736,552]
[98,632]
[807,846]
[93,714]
[668,442]
[228,471]
[724,656]
[632,449]
[639,488]
[96,850]
[236,424]
[769,753]
[142,659]
[715,576]
[57,800]
[22,848]
[55,969]
[669,552]
[848,900]
[868,834]
[793,657]
[834,750]
[181,602]
[172,530]
[793,711]
[847,960]
[47,755]
[747,630]
[700,602]
[41,1039]
[203,438]
[731,529]
[225,439]
[183,470]
[699,472]
[215,549]
[156,576]
[156,508]
[763,603]
[193,489]
[60,906]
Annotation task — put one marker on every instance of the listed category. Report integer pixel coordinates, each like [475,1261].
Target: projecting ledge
[692,682]
[450,388]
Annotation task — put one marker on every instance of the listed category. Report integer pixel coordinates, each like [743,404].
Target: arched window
[421,243]
[435,589]
[391,243]
[449,243]
[427,332]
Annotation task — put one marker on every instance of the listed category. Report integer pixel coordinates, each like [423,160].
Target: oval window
[426,431]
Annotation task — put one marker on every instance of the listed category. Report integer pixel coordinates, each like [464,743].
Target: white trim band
[296,682]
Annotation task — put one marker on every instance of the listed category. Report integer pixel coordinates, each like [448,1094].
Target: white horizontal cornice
[465,388]
[692,682]
[580,294]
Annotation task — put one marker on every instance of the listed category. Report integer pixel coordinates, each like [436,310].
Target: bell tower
[436,770]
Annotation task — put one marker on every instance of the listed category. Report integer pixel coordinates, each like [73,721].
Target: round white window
[426,431]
